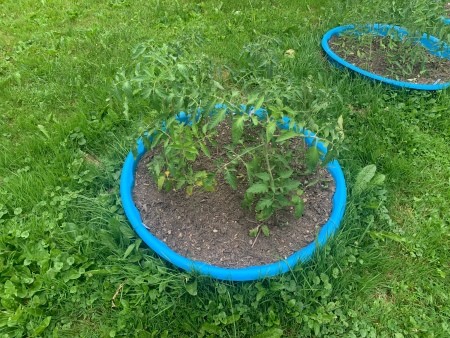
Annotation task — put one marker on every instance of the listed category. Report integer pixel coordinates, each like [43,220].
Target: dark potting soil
[212,227]
[392,59]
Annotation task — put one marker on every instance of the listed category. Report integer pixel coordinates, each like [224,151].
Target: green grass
[70,264]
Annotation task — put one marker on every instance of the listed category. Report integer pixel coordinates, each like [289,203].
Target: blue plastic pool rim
[381,29]
[234,274]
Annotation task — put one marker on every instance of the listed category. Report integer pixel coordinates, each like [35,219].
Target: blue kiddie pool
[431,43]
[232,274]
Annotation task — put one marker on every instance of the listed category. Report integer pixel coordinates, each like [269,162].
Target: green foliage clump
[259,155]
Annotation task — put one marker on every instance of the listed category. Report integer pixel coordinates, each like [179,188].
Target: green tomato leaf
[329,155]
[265,214]
[205,129]
[285,174]
[286,136]
[259,103]
[231,179]
[263,204]
[237,128]
[264,176]
[253,232]
[299,208]
[281,201]
[290,185]
[255,120]
[258,188]
[312,158]
[270,129]
[194,129]
[218,117]
[265,230]
[161,181]
[191,154]
[205,149]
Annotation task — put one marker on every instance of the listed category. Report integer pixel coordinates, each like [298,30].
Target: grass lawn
[70,264]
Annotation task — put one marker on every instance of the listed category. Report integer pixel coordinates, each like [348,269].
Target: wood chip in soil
[212,227]
[374,58]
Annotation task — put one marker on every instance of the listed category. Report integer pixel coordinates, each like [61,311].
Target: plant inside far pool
[204,132]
